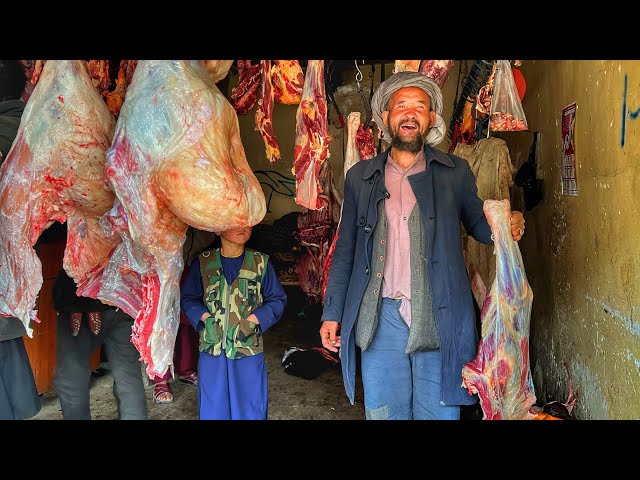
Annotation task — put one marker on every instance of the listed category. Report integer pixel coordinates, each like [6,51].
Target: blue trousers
[232,389]
[398,386]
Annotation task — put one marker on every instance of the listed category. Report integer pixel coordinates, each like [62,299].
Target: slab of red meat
[438,70]
[54,172]
[288,81]
[312,139]
[500,373]
[264,114]
[176,159]
[115,98]
[243,96]
[99,71]
[316,230]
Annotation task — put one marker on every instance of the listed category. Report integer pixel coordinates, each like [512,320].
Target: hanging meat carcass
[243,95]
[438,70]
[312,139]
[288,81]
[217,69]
[264,114]
[316,229]
[54,172]
[500,372]
[176,159]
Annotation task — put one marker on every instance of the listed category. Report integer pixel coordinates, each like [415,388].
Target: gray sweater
[423,333]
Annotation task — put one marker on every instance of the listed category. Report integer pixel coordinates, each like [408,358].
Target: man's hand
[254,319]
[517,225]
[204,316]
[328,335]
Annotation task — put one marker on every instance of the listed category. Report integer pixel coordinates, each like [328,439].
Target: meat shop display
[54,172]
[312,139]
[176,159]
[500,373]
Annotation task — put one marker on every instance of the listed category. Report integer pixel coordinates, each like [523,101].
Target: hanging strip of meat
[54,172]
[288,81]
[264,114]
[243,96]
[500,372]
[312,138]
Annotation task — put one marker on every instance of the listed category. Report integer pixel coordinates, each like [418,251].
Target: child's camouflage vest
[230,305]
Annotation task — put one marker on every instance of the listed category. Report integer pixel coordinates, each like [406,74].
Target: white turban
[409,79]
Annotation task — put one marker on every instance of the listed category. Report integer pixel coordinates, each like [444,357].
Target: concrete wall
[582,254]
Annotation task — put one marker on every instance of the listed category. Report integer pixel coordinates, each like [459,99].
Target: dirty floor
[290,397]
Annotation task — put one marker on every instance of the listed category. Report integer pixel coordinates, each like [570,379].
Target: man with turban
[398,288]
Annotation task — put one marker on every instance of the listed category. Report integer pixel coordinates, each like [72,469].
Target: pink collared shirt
[396,282]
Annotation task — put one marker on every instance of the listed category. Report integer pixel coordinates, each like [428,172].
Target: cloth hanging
[491,164]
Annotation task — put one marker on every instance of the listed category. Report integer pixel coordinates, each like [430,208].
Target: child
[231,295]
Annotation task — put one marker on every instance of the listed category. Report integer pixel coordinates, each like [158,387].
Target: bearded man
[398,288]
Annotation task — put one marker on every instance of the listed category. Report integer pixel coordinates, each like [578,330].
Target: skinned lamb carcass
[500,372]
[176,159]
[54,172]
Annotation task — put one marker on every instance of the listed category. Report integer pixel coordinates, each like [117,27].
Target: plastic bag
[506,110]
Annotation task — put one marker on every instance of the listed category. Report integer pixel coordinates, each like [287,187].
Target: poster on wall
[569,182]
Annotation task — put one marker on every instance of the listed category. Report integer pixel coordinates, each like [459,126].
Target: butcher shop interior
[103,184]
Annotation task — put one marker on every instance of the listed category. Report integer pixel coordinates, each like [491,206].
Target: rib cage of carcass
[176,159]
[500,372]
[54,172]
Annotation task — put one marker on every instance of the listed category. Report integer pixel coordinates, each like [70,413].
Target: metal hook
[359,75]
